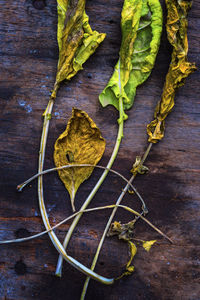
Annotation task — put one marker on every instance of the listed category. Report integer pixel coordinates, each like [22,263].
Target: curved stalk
[110,221]
[52,235]
[22,185]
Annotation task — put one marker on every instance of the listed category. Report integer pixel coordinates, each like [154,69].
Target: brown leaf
[80,143]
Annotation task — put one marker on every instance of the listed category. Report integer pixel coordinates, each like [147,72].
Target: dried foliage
[179,68]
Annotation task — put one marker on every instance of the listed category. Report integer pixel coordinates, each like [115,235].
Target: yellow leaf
[147,244]
[80,143]
[129,268]
[133,251]
[138,167]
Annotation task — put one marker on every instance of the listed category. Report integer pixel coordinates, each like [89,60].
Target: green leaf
[141,26]
[80,143]
[76,40]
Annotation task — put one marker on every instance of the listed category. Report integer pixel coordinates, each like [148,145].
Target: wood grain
[28,64]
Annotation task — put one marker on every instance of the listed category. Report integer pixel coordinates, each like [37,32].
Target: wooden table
[28,65]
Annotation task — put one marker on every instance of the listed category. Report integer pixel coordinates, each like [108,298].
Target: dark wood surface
[28,64]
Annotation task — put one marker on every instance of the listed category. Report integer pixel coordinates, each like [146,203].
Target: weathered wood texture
[28,64]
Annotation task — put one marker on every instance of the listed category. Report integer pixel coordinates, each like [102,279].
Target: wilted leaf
[141,26]
[80,143]
[124,231]
[76,40]
[148,244]
[138,167]
[129,268]
[179,68]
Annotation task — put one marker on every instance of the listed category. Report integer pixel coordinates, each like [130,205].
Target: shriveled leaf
[76,40]
[148,244]
[138,167]
[80,143]
[141,26]
[129,268]
[179,68]
[123,231]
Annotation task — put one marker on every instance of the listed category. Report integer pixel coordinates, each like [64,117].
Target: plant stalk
[22,185]
[52,235]
[72,216]
[83,294]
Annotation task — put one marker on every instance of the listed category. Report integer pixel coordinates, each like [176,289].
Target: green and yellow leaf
[80,143]
[141,25]
[138,167]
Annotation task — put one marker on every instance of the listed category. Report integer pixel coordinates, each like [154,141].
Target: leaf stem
[83,294]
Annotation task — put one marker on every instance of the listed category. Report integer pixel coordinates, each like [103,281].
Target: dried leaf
[80,143]
[179,68]
[148,244]
[76,40]
[141,25]
[129,268]
[124,231]
[131,192]
[138,168]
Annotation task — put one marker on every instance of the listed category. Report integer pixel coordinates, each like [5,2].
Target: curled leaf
[148,244]
[141,25]
[138,167]
[80,143]
[131,192]
[123,231]
[129,268]
[76,40]
[179,68]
